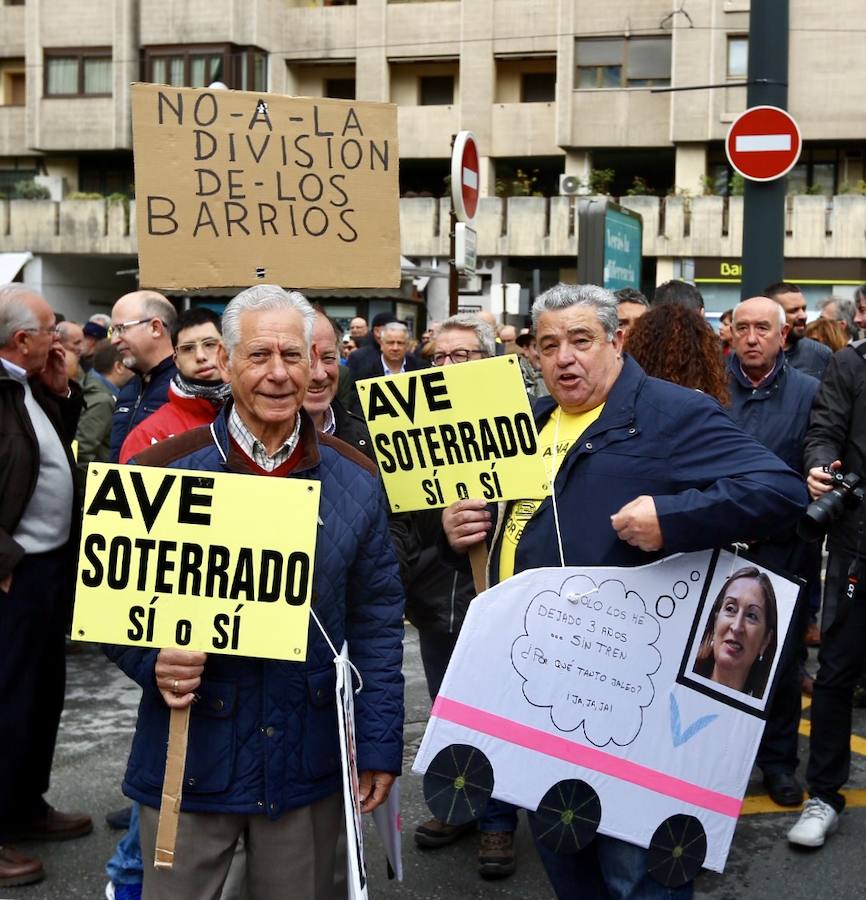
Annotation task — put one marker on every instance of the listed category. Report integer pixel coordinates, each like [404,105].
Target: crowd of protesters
[699,440]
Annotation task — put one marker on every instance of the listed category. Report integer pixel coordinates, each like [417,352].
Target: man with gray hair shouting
[267,730]
[639,469]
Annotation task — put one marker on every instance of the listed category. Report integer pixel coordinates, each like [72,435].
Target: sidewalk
[91,756]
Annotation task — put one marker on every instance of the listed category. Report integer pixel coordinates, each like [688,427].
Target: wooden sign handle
[478,560]
[172,788]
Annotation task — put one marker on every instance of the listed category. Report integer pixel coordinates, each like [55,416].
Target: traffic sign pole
[465,192]
[764,201]
[453,284]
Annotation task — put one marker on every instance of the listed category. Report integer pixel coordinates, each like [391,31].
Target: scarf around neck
[215,391]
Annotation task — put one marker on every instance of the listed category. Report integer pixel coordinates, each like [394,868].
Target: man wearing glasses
[39,410]
[196,392]
[437,597]
[141,323]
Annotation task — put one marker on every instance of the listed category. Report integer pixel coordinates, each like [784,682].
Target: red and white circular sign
[465,176]
[763,143]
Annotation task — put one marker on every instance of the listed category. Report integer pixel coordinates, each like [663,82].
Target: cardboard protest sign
[454,432]
[234,188]
[216,562]
[613,700]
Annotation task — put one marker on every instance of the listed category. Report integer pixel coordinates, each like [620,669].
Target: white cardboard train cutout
[589,675]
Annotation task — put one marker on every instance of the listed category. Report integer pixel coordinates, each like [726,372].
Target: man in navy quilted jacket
[263,756]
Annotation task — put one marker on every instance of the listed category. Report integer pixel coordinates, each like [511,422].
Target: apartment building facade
[549,88]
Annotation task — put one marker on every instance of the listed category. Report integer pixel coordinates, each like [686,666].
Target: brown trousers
[294,856]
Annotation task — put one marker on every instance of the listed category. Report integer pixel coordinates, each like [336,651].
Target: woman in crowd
[827,331]
[676,344]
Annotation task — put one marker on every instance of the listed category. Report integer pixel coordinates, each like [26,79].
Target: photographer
[836,439]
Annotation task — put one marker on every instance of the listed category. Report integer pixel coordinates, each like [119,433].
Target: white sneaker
[817,821]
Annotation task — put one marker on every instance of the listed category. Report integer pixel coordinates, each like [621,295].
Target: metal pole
[764,202]
[453,286]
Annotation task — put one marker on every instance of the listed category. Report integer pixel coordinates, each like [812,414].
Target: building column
[665,269]
[478,83]
[487,176]
[690,168]
[372,78]
[126,52]
[35,76]
[579,163]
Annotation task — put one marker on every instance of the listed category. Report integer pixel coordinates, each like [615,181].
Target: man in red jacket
[196,392]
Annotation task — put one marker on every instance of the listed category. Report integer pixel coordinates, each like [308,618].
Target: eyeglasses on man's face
[456,356]
[120,328]
[191,348]
[53,330]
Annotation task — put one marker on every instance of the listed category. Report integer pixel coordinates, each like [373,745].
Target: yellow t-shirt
[570,429]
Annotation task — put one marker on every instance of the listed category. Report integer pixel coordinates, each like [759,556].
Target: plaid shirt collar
[255,449]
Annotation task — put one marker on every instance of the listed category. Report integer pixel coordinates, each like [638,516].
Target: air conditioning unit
[485,265]
[570,185]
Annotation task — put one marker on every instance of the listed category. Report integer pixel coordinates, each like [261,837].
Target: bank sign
[609,247]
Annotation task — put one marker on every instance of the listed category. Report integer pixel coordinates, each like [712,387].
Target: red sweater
[178,415]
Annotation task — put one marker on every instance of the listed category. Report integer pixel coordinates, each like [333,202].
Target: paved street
[94,741]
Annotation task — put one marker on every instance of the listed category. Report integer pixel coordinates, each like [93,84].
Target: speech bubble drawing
[579,654]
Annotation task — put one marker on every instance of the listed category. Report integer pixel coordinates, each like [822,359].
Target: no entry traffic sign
[763,143]
[464,176]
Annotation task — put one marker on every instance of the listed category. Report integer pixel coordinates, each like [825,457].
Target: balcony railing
[517,226]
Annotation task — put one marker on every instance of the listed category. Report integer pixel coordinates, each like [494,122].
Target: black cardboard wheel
[458,783]
[567,817]
[677,851]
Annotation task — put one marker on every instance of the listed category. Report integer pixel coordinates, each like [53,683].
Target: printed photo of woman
[740,637]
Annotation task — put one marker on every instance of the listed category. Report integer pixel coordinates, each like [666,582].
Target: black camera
[846,493]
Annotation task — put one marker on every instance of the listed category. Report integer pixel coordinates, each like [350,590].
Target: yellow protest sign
[454,432]
[200,560]
[234,188]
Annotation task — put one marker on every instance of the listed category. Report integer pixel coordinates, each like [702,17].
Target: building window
[623,62]
[251,70]
[738,57]
[537,87]
[77,73]
[340,88]
[820,170]
[13,82]
[241,68]
[436,90]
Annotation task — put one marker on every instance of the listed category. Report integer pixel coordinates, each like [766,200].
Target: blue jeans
[608,869]
[125,866]
[498,816]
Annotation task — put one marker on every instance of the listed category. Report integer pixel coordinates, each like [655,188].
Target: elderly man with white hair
[267,764]
[39,410]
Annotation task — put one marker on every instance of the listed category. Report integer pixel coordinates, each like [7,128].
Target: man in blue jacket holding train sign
[264,753]
[640,469]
